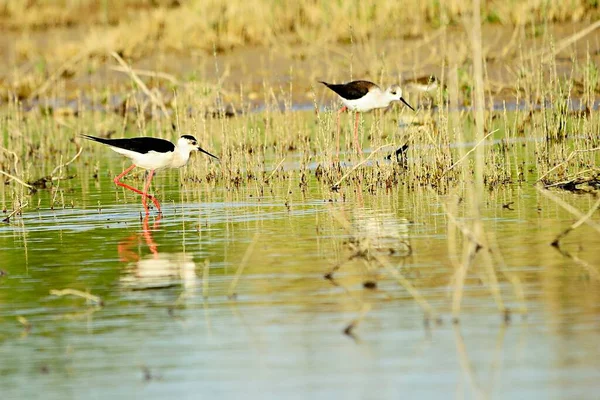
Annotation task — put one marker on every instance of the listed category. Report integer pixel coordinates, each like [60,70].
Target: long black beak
[206,152]
[408,105]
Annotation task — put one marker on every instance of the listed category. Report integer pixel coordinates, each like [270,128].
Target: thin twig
[461,275]
[78,293]
[572,178]
[568,208]
[563,44]
[68,162]
[466,365]
[16,179]
[144,72]
[338,183]
[156,100]
[467,153]
[577,223]
[566,160]
[464,230]
[429,311]
[275,170]
[15,211]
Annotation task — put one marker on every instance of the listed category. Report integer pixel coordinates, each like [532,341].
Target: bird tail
[324,83]
[95,139]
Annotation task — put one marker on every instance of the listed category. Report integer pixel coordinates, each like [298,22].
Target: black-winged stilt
[362,96]
[425,84]
[152,154]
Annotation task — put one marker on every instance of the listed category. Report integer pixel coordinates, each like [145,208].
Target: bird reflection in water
[382,233]
[157,270]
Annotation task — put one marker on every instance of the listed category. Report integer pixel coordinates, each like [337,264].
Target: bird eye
[393,93]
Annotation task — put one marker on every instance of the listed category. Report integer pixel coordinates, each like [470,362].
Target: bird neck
[385,98]
[180,157]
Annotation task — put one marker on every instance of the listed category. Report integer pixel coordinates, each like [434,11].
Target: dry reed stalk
[566,160]
[274,170]
[452,241]
[590,269]
[238,273]
[476,193]
[16,179]
[414,292]
[465,364]
[78,293]
[563,44]
[568,207]
[15,211]
[513,278]
[205,277]
[455,123]
[585,217]
[156,100]
[364,310]
[61,166]
[464,156]
[336,185]
[144,72]
[468,233]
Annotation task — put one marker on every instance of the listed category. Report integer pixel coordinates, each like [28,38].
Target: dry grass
[285,16]
[135,28]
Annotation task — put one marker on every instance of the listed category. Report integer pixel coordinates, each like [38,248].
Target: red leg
[148,235]
[337,149]
[356,142]
[144,194]
[118,182]
[124,249]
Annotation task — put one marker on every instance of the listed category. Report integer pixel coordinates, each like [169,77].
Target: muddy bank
[260,74]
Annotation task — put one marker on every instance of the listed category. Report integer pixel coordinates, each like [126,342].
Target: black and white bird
[152,154]
[363,96]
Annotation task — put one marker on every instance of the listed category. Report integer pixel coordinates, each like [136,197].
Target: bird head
[395,94]
[190,143]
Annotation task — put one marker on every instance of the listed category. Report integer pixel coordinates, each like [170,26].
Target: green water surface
[167,327]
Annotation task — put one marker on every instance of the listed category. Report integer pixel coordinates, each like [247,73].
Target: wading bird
[152,154]
[423,84]
[362,96]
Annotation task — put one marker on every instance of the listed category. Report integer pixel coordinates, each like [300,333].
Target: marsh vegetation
[466,231]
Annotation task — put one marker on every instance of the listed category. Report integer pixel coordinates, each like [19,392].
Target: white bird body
[363,96]
[154,160]
[375,98]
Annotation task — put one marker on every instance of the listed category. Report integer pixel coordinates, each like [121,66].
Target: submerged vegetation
[510,113]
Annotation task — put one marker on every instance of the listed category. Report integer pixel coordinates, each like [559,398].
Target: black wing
[139,144]
[352,90]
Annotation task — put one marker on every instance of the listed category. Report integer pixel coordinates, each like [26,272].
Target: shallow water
[167,326]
